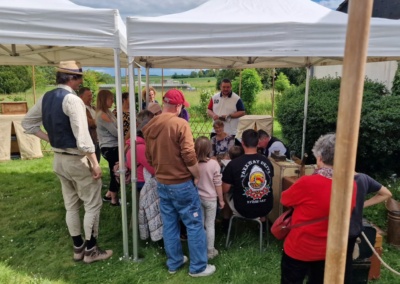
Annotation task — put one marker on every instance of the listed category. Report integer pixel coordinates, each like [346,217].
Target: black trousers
[294,271]
[111,155]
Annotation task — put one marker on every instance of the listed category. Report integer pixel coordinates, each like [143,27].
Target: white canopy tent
[42,32]
[253,34]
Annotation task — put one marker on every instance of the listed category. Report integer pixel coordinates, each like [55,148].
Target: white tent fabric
[43,32]
[250,34]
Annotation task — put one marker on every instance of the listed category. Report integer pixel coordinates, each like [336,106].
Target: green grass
[35,246]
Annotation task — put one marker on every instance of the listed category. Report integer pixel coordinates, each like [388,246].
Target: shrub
[251,86]
[396,82]
[282,83]
[379,138]
[200,110]
[14,79]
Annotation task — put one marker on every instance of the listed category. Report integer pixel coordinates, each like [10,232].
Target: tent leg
[121,145]
[132,110]
[303,143]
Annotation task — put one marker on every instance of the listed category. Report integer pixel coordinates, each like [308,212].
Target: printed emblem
[216,101]
[257,185]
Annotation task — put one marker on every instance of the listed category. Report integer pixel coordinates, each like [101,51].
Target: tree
[194,74]
[90,81]
[282,83]
[230,74]
[105,78]
[201,74]
[251,85]
[296,76]
[396,82]
[266,76]
[14,79]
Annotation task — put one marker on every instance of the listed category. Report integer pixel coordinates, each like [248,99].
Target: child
[210,187]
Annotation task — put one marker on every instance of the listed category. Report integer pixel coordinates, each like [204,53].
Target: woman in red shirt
[304,249]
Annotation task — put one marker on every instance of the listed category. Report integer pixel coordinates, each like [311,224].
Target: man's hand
[96,172]
[195,181]
[221,204]
[215,117]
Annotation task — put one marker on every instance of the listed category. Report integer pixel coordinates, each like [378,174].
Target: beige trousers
[79,188]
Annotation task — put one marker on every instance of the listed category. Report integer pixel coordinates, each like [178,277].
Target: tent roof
[43,32]
[257,33]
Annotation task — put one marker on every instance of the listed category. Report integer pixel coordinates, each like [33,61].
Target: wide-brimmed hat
[175,97]
[70,67]
[154,108]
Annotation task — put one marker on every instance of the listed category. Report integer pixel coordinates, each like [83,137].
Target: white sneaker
[185,259]
[210,269]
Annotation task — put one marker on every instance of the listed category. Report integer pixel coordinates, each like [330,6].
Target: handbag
[117,174]
[282,225]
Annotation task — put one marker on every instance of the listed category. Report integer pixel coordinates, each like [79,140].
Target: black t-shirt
[365,185]
[250,177]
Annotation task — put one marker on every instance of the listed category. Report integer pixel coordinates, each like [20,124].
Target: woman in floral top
[125,114]
[221,142]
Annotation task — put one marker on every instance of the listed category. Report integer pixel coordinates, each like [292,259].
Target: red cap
[175,97]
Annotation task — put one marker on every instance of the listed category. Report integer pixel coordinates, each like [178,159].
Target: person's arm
[225,187]
[141,158]
[108,124]
[96,170]
[220,196]
[74,108]
[194,170]
[210,112]
[237,114]
[382,195]
[33,121]
[90,119]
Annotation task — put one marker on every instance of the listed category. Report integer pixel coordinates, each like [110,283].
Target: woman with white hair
[304,249]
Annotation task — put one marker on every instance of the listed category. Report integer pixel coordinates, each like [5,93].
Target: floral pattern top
[221,146]
[125,120]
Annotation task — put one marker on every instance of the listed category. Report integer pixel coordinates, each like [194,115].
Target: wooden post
[34,84]
[240,84]
[351,91]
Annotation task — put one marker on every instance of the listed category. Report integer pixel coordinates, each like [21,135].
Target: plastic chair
[258,220]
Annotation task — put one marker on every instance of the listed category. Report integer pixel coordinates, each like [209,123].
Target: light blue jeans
[181,201]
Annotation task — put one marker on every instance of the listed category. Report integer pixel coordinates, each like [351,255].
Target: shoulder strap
[308,222]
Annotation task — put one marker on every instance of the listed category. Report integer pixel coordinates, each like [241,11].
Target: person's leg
[293,271]
[348,276]
[316,272]
[72,202]
[170,218]
[187,202]
[210,209]
[111,155]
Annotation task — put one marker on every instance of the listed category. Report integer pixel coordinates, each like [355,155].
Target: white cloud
[332,4]
[143,7]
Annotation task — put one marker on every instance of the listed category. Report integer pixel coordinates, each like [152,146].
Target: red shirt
[310,196]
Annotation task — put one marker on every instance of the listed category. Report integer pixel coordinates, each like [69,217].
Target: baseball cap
[175,97]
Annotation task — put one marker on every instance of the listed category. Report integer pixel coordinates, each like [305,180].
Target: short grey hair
[324,147]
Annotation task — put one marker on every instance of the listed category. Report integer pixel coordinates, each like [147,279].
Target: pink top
[210,176]
[141,160]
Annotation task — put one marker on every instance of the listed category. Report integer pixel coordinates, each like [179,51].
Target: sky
[161,7]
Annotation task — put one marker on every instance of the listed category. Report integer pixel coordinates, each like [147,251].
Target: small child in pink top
[210,188]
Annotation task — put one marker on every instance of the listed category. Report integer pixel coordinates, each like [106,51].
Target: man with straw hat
[63,115]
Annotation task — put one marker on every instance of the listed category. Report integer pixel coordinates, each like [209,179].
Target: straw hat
[70,67]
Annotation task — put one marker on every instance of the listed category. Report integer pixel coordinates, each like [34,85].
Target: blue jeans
[181,201]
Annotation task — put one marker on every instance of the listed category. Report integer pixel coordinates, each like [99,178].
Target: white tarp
[252,33]
[45,32]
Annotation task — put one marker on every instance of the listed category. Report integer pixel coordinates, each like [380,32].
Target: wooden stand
[14,107]
[285,173]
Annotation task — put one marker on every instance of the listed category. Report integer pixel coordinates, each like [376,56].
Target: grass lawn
[35,246]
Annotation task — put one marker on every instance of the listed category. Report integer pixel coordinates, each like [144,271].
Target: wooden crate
[14,107]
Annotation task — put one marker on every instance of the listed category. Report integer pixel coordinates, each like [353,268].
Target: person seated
[221,142]
[270,144]
[248,180]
